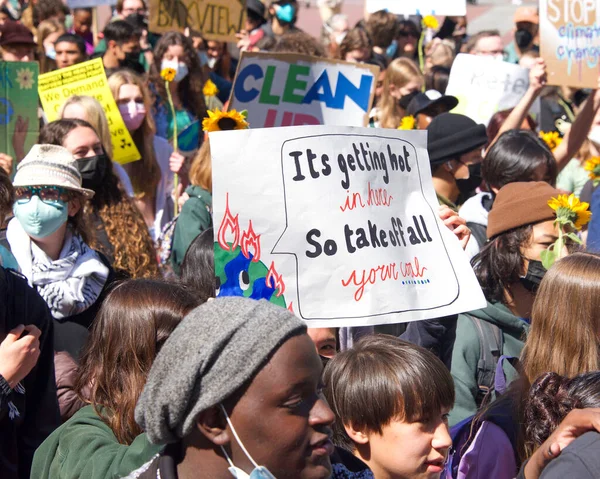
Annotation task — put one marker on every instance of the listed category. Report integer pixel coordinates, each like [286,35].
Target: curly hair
[190,88]
[551,398]
[124,225]
[145,174]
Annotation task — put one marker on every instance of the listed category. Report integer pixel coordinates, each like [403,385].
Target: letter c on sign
[240,92]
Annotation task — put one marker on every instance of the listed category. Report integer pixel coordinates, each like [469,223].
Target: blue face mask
[392,49]
[38,218]
[285,13]
[203,57]
[259,472]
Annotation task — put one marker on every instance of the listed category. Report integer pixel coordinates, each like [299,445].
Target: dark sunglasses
[408,34]
[44,193]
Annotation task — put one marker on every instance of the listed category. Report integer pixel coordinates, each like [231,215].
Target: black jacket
[38,413]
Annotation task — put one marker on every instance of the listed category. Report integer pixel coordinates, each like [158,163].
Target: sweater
[38,416]
[466,354]
[86,447]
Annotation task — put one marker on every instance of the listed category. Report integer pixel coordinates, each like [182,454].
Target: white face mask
[259,472]
[594,135]
[212,61]
[181,69]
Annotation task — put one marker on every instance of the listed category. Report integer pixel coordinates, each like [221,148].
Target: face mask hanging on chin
[259,472]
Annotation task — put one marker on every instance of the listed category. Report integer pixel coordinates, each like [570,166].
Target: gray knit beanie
[214,351]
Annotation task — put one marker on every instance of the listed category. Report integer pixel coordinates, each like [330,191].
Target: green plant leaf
[548,258]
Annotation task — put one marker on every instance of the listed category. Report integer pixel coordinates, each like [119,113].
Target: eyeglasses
[408,34]
[44,193]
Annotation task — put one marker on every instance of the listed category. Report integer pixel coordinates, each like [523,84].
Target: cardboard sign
[570,41]
[280,89]
[338,224]
[19,124]
[422,7]
[216,20]
[88,79]
[484,86]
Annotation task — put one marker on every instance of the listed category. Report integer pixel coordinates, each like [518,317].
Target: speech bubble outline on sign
[352,238]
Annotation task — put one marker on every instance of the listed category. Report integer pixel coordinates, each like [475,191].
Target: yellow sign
[88,79]
[216,20]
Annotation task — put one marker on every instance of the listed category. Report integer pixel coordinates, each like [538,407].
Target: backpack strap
[490,350]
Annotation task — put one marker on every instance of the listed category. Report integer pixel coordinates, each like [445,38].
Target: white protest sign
[422,7]
[484,86]
[338,224]
[281,89]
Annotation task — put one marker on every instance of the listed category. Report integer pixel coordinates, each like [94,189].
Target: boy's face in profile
[415,450]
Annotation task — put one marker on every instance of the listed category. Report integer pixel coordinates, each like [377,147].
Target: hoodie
[465,356]
[475,212]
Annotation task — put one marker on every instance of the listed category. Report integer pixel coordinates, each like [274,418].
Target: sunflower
[25,79]
[168,74]
[593,166]
[407,123]
[430,22]
[552,139]
[225,120]
[210,89]
[570,211]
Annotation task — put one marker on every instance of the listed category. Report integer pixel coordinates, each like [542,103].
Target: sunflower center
[226,123]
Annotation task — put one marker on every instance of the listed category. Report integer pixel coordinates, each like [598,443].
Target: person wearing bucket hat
[245,401]
[509,271]
[48,238]
[16,43]
[454,144]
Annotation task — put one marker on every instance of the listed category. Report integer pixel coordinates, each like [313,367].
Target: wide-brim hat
[423,101]
[13,33]
[50,165]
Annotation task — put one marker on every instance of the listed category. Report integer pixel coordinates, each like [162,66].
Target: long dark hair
[124,225]
[133,323]
[515,157]
[500,263]
[190,89]
[198,266]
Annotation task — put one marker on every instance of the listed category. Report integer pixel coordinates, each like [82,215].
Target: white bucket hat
[50,165]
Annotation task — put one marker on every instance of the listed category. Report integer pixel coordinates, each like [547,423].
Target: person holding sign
[176,51]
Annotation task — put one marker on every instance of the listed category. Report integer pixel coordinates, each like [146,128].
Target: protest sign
[215,19]
[570,41]
[484,86]
[422,7]
[280,89]
[89,3]
[338,224]
[88,78]
[19,125]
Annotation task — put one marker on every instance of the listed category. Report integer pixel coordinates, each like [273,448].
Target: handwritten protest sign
[422,7]
[484,86]
[19,125]
[338,224]
[88,78]
[215,19]
[570,41]
[289,90]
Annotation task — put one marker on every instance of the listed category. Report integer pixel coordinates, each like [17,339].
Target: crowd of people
[117,360]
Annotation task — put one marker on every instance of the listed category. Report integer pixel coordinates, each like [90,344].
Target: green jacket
[467,352]
[195,217]
[85,447]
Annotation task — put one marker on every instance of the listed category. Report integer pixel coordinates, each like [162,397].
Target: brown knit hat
[520,204]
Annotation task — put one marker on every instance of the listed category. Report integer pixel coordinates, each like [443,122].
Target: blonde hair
[45,28]
[145,174]
[95,116]
[201,169]
[399,73]
[440,53]
[565,323]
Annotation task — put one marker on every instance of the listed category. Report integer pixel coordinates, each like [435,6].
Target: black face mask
[468,185]
[535,273]
[523,38]
[93,170]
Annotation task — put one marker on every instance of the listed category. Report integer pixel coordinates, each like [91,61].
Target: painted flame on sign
[229,223]
[274,280]
[250,240]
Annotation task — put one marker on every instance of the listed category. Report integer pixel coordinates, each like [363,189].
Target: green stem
[176,176]
[420,47]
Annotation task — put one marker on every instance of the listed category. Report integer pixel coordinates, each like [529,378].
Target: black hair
[71,38]
[437,78]
[198,266]
[82,9]
[119,31]
[515,156]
